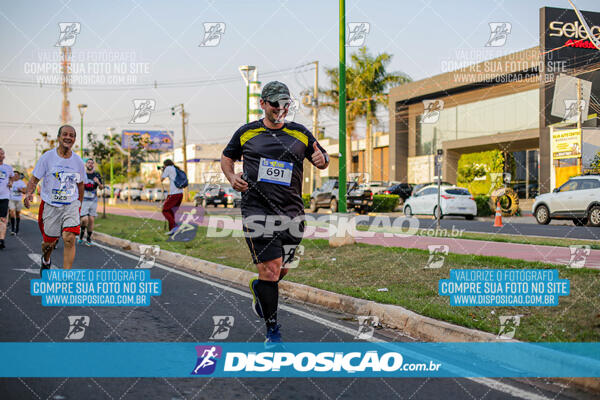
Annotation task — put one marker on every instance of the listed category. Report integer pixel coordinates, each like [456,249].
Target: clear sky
[161,39]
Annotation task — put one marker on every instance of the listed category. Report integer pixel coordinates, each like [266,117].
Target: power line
[146,85]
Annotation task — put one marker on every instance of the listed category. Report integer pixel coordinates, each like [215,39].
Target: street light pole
[81,108]
[112,188]
[342,114]
[245,70]
[315,121]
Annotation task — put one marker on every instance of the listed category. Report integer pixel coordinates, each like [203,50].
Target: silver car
[578,199]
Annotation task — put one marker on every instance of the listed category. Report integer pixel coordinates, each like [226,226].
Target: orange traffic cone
[498,219]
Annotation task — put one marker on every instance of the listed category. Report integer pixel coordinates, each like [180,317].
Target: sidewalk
[528,252]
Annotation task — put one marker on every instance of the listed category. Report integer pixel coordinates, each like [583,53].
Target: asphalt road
[184,313]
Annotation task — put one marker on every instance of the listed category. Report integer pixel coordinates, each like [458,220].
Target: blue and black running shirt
[273,164]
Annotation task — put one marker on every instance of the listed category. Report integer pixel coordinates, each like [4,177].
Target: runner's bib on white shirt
[59,177]
[275,171]
[6,172]
[15,193]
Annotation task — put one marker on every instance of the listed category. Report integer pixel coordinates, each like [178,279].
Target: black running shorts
[3,208]
[268,241]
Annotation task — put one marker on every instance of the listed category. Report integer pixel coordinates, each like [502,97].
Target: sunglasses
[279,103]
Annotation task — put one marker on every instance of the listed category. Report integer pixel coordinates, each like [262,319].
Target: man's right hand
[27,200]
[238,183]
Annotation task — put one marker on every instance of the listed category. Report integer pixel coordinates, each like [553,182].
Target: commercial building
[502,110]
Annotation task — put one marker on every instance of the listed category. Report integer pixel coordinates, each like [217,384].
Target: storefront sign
[566,144]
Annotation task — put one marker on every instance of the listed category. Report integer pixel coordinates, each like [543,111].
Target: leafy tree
[468,173]
[372,82]
[101,151]
[353,109]
[367,83]
[48,141]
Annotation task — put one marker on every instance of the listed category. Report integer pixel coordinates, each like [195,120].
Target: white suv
[578,199]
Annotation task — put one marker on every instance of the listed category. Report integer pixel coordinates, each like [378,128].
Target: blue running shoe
[79,241]
[273,337]
[255,303]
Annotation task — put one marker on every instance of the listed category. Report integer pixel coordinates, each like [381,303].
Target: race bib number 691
[275,171]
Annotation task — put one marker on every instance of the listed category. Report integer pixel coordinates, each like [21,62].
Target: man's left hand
[318,159]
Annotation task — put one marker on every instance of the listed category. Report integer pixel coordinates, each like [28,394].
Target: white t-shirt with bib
[59,177]
[6,172]
[15,193]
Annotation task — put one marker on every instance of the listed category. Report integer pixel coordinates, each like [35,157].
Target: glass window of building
[514,112]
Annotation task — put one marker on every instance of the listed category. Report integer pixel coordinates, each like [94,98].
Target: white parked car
[134,192]
[145,195]
[578,199]
[453,201]
[158,194]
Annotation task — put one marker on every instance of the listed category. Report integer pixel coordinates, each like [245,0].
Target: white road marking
[28,270]
[36,258]
[491,383]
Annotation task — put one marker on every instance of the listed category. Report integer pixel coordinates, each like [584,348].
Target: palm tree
[353,109]
[371,82]
[367,83]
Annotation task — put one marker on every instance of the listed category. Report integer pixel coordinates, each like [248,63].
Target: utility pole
[184,115]
[342,114]
[65,115]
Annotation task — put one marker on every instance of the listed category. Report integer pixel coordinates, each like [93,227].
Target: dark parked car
[218,194]
[327,196]
[404,190]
